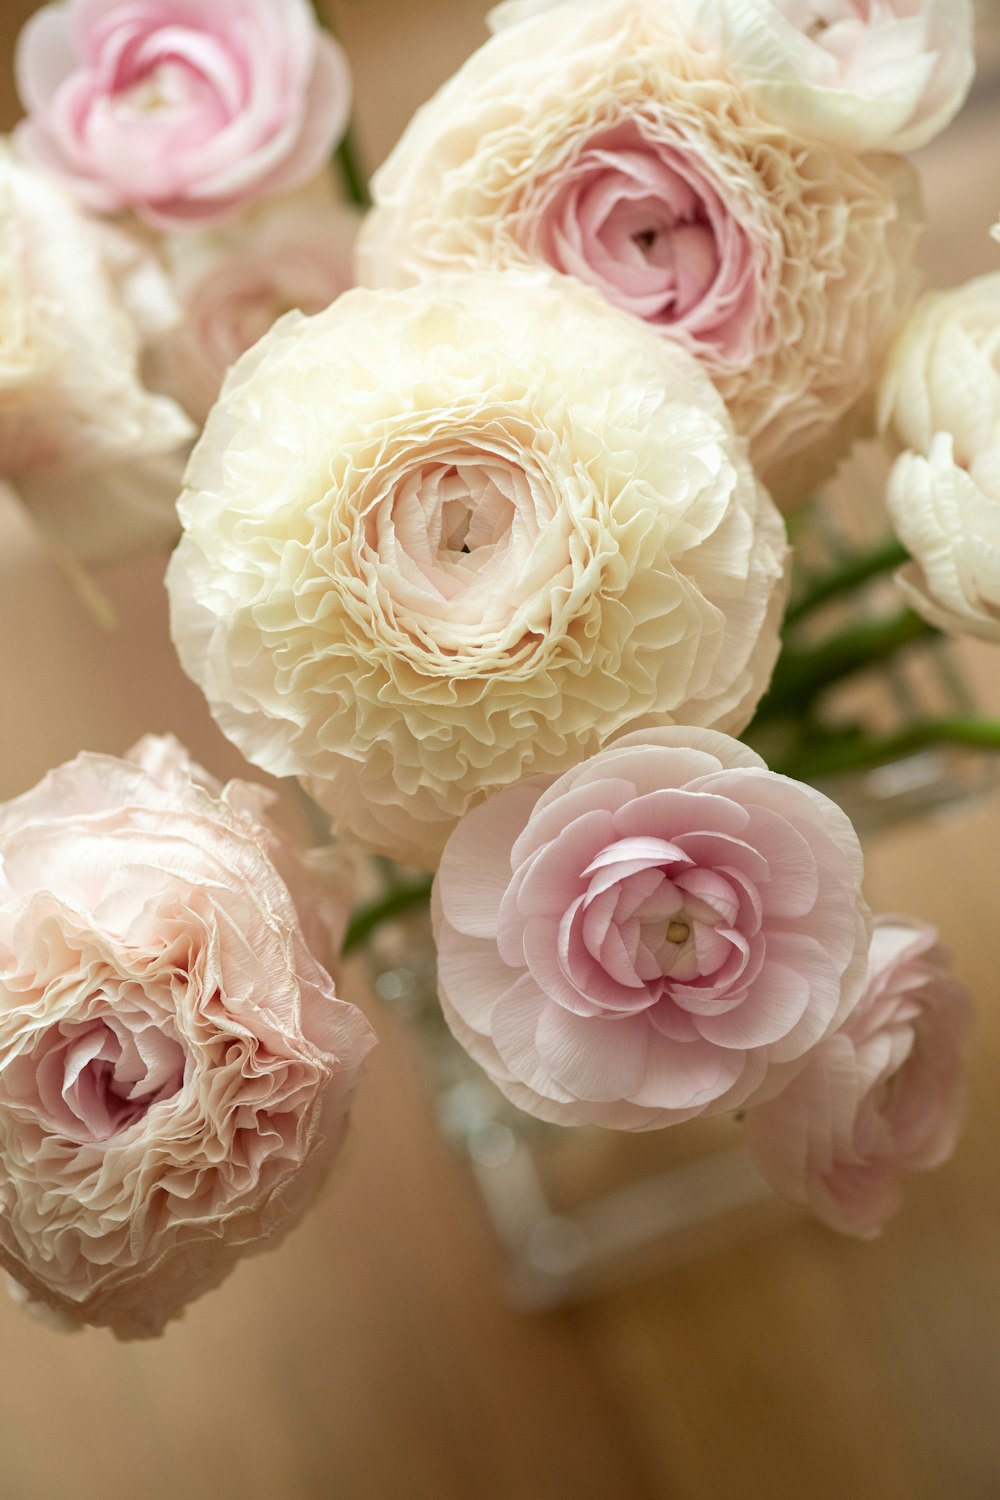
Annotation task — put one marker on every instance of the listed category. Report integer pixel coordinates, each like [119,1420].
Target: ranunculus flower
[940,402]
[879,1099]
[872,75]
[81,438]
[182,110]
[175,1068]
[665,931]
[234,283]
[615,142]
[440,539]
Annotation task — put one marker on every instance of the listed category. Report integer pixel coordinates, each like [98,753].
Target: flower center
[91,1080]
[639,220]
[651,924]
[452,540]
[150,96]
[446,513]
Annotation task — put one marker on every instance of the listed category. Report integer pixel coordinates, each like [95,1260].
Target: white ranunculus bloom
[948,518]
[441,539]
[81,438]
[872,75]
[940,403]
[614,142]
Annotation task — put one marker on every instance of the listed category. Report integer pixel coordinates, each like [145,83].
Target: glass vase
[574,1211]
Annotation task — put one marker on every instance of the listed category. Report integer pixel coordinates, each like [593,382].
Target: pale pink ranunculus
[664,932]
[619,143]
[234,282]
[882,1097]
[181,110]
[175,1067]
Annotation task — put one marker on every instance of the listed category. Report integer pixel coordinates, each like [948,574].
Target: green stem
[351,174]
[858,569]
[861,754]
[345,158]
[394,904]
[803,673]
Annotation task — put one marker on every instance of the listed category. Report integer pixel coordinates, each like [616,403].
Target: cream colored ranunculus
[442,539]
[940,404]
[615,143]
[81,438]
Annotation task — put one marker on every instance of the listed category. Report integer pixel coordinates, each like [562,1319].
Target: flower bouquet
[486,552]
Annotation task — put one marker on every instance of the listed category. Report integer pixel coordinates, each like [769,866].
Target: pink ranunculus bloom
[175,1068]
[180,110]
[666,931]
[881,1097]
[234,282]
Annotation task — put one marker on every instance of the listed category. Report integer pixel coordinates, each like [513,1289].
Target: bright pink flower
[665,931]
[181,110]
[880,1098]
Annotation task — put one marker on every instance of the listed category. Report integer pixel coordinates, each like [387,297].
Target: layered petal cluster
[618,143]
[80,435]
[175,1068]
[233,284]
[880,1099]
[181,110]
[440,539]
[940,404]
[666,931]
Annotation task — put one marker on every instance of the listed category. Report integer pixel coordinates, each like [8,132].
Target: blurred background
[374,1357]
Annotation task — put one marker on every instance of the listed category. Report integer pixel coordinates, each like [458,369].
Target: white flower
[872,75]
[442,539]
[940,403]
[77,425]
[614,142]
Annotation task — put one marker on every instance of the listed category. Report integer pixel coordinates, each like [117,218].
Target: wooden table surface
[372,1357]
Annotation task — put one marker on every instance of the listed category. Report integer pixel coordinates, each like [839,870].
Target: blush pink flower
[664,932]
[879,1099]
[619,143]
[180,110]
[234,282]
[175,1068]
